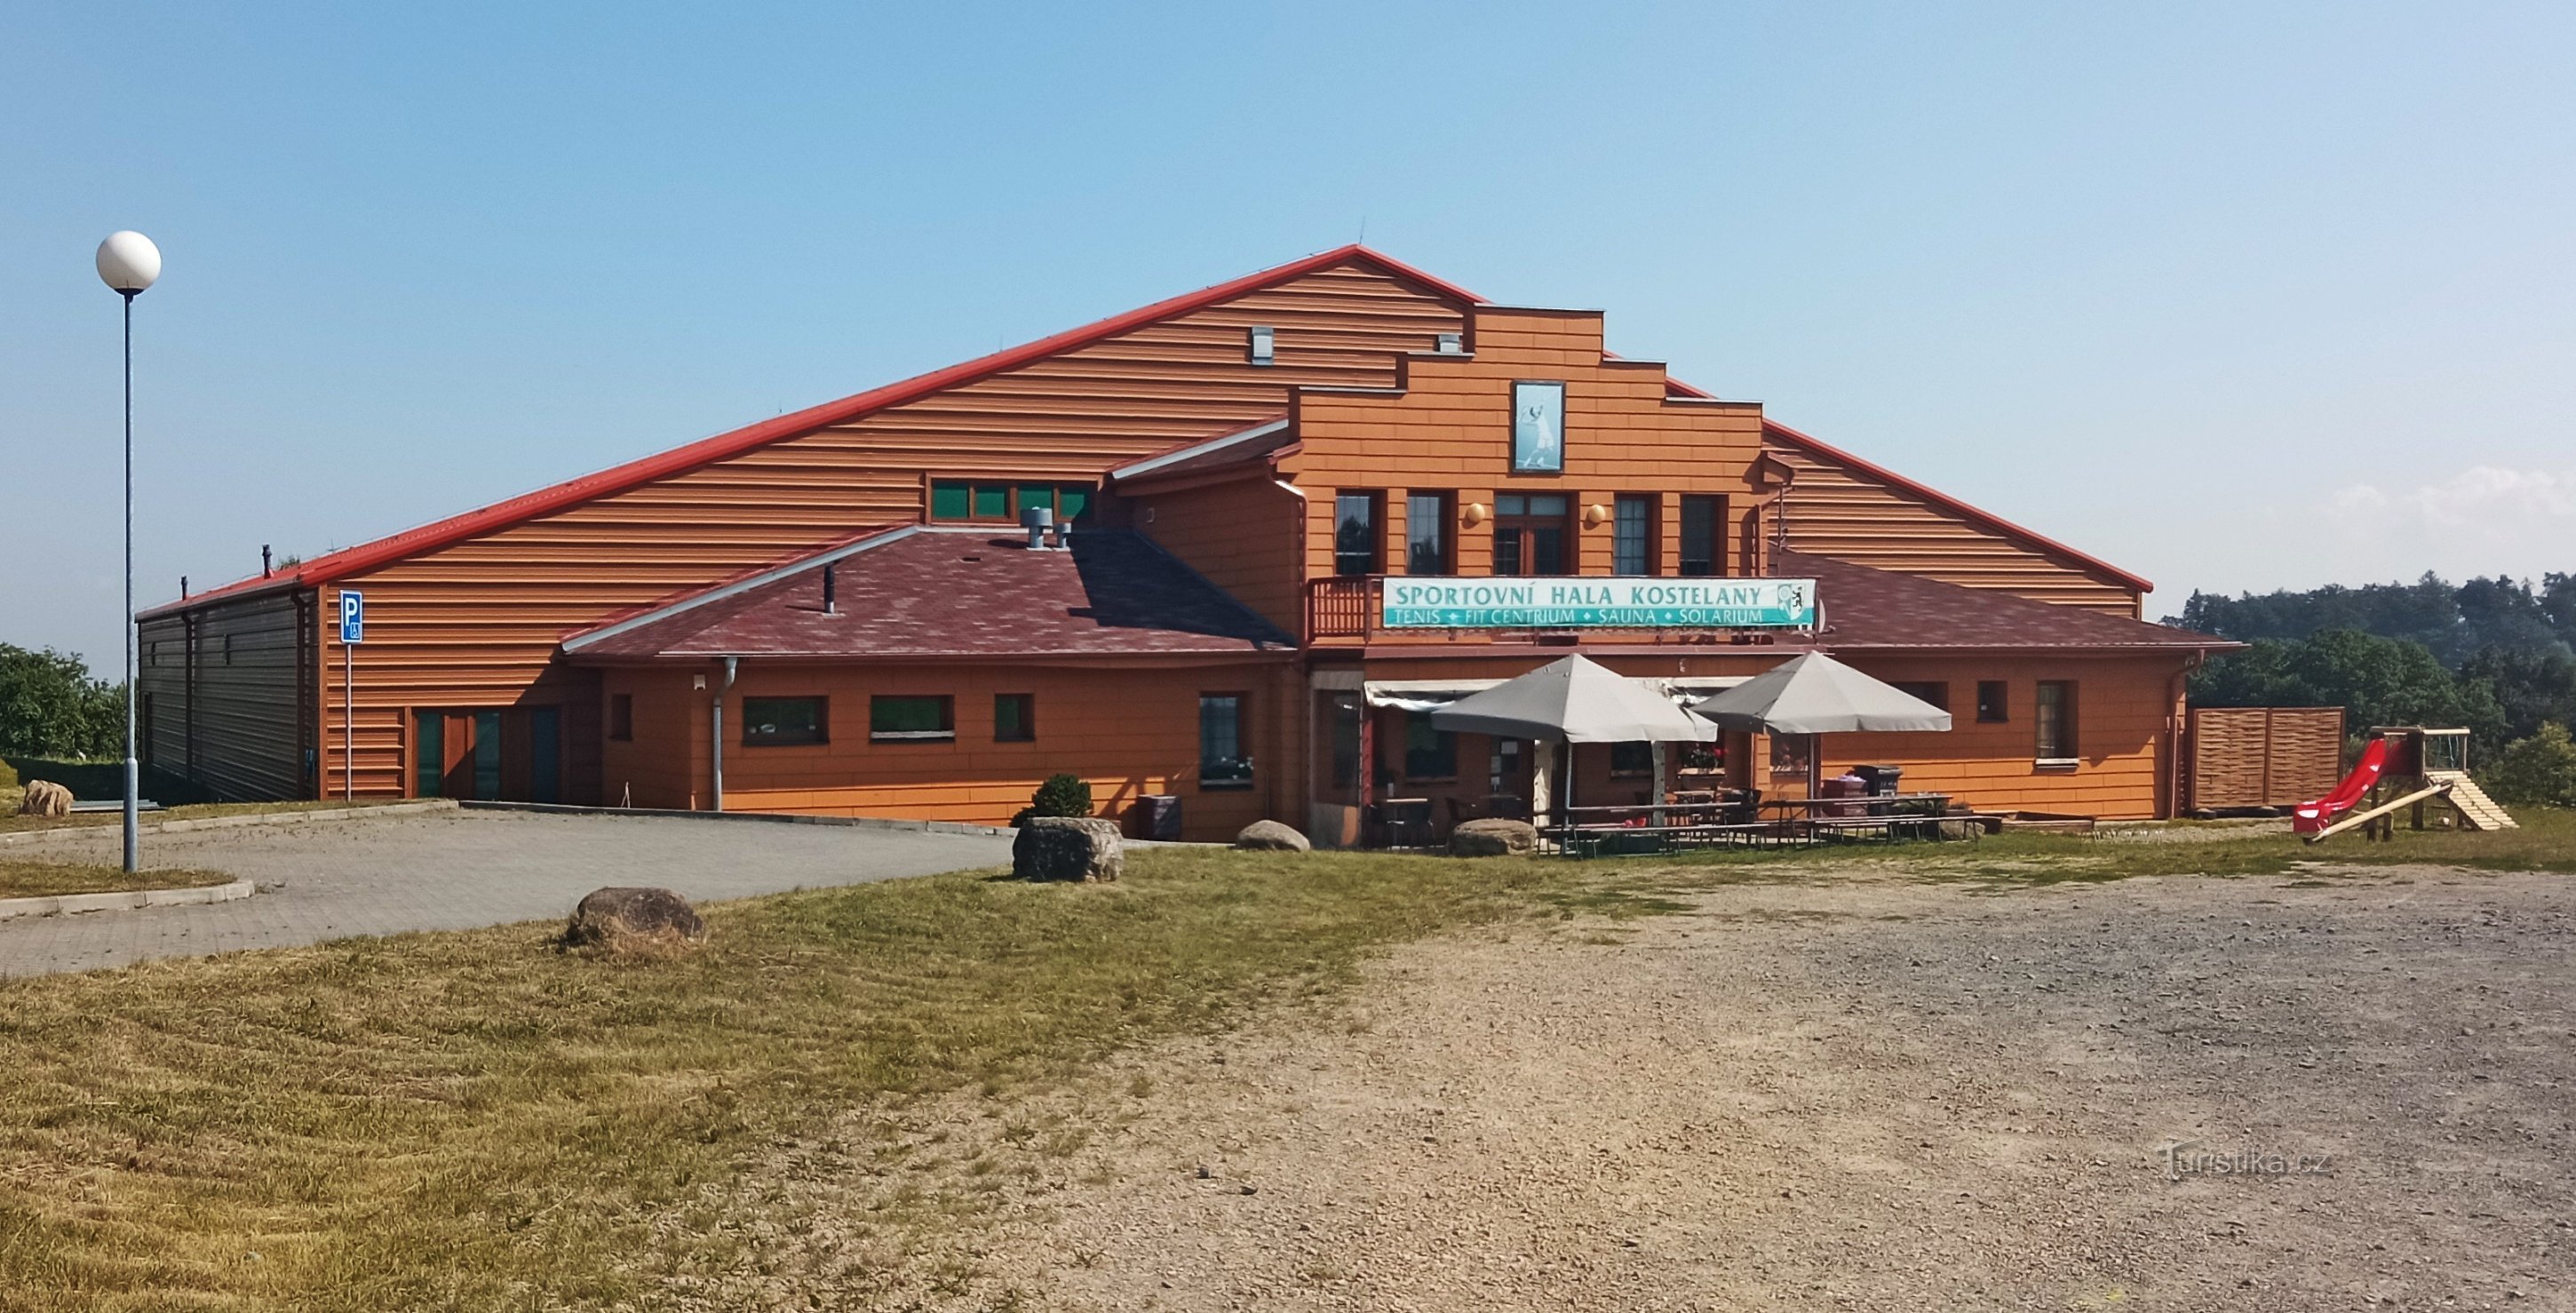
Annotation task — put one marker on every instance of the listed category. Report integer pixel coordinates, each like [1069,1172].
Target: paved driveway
[453,870]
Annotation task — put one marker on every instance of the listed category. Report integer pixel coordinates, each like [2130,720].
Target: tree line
[2496,656]
[51,707]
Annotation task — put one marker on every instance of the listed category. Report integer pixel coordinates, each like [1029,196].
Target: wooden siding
[1242,535]
[1450,431]
[2127,721]
[476,624]
[2263,756]
[1128,731]
[224,692]
[1833,510]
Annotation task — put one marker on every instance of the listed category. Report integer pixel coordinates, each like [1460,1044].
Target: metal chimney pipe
[263,561]
[1037,520]
[830,590]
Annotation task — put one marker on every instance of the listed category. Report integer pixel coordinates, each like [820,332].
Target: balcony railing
[1343,606]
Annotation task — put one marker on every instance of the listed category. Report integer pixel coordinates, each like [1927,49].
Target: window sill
[786,743]
[913,736]
[1224,786]
[2057,763]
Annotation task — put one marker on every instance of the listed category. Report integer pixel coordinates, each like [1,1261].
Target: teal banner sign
[1506,603]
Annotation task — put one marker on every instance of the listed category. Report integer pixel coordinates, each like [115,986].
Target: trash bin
[1846,785]
[1158,816]
[1883,780]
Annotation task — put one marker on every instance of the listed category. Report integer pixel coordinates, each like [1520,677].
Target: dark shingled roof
[1866,608]
[939,593]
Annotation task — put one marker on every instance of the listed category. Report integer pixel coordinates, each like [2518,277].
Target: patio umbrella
[1815,694]
[1575,701]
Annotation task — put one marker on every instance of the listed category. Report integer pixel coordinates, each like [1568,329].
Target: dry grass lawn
[26,878]
[473,1120]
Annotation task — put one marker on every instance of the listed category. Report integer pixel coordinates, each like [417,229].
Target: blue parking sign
[353,616]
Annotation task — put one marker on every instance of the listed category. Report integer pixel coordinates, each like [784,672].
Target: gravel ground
[1883,1095]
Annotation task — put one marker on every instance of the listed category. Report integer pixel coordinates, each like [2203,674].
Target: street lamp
[128,262]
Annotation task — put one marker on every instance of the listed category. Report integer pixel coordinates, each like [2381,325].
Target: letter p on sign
[353,616]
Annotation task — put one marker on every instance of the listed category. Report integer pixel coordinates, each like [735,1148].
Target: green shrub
[8,777]
[1063,794]
[2540,770]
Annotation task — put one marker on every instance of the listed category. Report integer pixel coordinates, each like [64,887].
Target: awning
[1431,694]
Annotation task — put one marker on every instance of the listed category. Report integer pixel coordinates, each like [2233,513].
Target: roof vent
[1037,520]
[1263,347]
[1453,344]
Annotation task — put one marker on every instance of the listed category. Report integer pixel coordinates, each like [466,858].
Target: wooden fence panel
[2263,756]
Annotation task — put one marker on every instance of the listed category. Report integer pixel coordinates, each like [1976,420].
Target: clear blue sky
[2236,296]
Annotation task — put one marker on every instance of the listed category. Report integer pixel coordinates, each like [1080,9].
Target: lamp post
[128,262]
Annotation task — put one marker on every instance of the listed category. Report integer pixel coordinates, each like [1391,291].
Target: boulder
[1492,836]
[1068,848]
[626,917]
[1271,836]
[45,798]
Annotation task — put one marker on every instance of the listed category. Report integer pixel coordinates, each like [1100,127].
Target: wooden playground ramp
[2247,758]
[2477,810]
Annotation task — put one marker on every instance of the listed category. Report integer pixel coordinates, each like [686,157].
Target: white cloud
[2482,497]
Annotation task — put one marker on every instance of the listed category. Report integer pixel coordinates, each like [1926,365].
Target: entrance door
[488,753]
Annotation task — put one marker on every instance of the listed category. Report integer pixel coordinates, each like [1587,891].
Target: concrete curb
[769,818]
[227,822]
[125,900]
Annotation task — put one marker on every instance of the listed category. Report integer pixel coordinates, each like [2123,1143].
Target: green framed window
[992,501]
[902,717]
[948,500]
[1015,717]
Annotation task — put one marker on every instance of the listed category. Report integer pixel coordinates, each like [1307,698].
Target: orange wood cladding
[1834,510]
[477,624]
[1127,731]
[1449,430]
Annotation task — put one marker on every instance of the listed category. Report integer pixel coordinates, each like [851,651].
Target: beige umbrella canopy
[1815,694]
[1575,701]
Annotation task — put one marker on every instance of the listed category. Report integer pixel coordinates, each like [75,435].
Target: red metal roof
[545,501]
[1869,608]
[951,594]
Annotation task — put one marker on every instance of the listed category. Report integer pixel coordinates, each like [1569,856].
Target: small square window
[901,718]
[992,501]
[777,722]
[621,717]
[1991,707]
[1224,762]
[1632,758]
[1261,345]
[1015,717]
[1936,692]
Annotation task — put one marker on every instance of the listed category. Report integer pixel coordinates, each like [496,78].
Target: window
[1991,706]
[1632,535]
[1430,753]
[1002,502]
[1701,517]
[775,722]
[2053,713]
[1426,533]
[1261,346]
[1703,758]
[1529,534]
[1632,758]
[1934,691]
[902,717]
[1223,763]
[1355,533]
[487,754]
[1015,717]
[621,717]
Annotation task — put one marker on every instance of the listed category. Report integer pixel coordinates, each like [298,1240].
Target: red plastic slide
[2314,816]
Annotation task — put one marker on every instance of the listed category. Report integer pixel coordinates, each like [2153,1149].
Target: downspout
[716,745]
[1301,713]
[2177,717]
